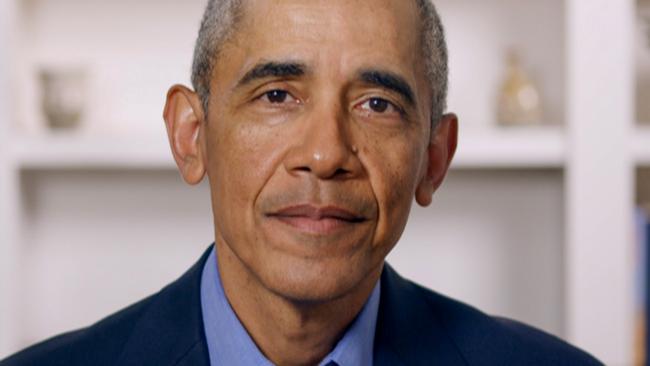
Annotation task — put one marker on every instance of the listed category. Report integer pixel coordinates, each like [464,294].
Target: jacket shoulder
[99,344]
[490,340]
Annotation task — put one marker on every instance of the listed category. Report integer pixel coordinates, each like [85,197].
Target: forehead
[394,15]
[340,34]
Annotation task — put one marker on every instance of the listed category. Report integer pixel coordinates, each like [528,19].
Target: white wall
[499,247]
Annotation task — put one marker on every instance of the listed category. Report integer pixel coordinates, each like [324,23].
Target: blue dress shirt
[230,344]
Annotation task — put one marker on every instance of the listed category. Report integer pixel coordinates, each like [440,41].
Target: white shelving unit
[509,148]
[78,152]
[538,147]
[533,223]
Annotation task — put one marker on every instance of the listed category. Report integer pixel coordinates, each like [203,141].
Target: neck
[288,332]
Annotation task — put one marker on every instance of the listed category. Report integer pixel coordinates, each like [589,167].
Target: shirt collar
[230,344]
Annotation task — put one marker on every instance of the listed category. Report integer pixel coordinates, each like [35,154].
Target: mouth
[317,220]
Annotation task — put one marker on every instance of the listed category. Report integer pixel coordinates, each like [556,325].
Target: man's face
[317,138]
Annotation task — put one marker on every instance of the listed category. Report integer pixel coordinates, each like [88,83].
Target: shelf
[515,147]
[553,251]
[504,25]
[79,152]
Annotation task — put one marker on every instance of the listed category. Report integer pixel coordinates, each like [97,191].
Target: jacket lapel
[409,331]
[170,332]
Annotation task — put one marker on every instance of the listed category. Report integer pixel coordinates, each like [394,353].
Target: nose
[324,147]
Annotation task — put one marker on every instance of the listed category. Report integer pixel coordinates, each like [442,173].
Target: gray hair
[221,16]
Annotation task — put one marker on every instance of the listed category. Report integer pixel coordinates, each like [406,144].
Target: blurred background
[541,218]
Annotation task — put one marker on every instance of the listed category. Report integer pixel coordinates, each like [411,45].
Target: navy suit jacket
[415,326]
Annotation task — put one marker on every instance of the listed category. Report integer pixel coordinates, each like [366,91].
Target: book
[642,283]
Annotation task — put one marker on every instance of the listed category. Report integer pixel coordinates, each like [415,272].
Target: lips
[317,220]
[316,213]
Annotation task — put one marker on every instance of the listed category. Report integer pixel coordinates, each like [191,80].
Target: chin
[309,281]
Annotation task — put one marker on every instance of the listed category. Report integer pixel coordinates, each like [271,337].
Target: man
[317,122]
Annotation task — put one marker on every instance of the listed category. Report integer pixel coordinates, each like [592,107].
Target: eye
[276,96]
[379,105]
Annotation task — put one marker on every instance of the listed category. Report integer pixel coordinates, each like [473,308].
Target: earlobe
[441,150]
[183,116]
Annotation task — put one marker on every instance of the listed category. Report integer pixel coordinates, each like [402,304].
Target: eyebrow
[273,69]
[390,81]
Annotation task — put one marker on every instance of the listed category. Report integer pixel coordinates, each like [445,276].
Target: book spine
[642,276]
[645,244]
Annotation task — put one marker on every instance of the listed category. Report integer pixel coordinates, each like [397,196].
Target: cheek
[393,168]
[399,182]
[241,160]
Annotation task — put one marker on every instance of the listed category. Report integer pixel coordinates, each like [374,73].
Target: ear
[442,148]
[183,116]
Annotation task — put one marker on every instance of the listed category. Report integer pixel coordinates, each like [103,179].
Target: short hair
[221,16]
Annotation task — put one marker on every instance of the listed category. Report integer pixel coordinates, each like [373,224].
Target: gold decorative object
[519,99]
